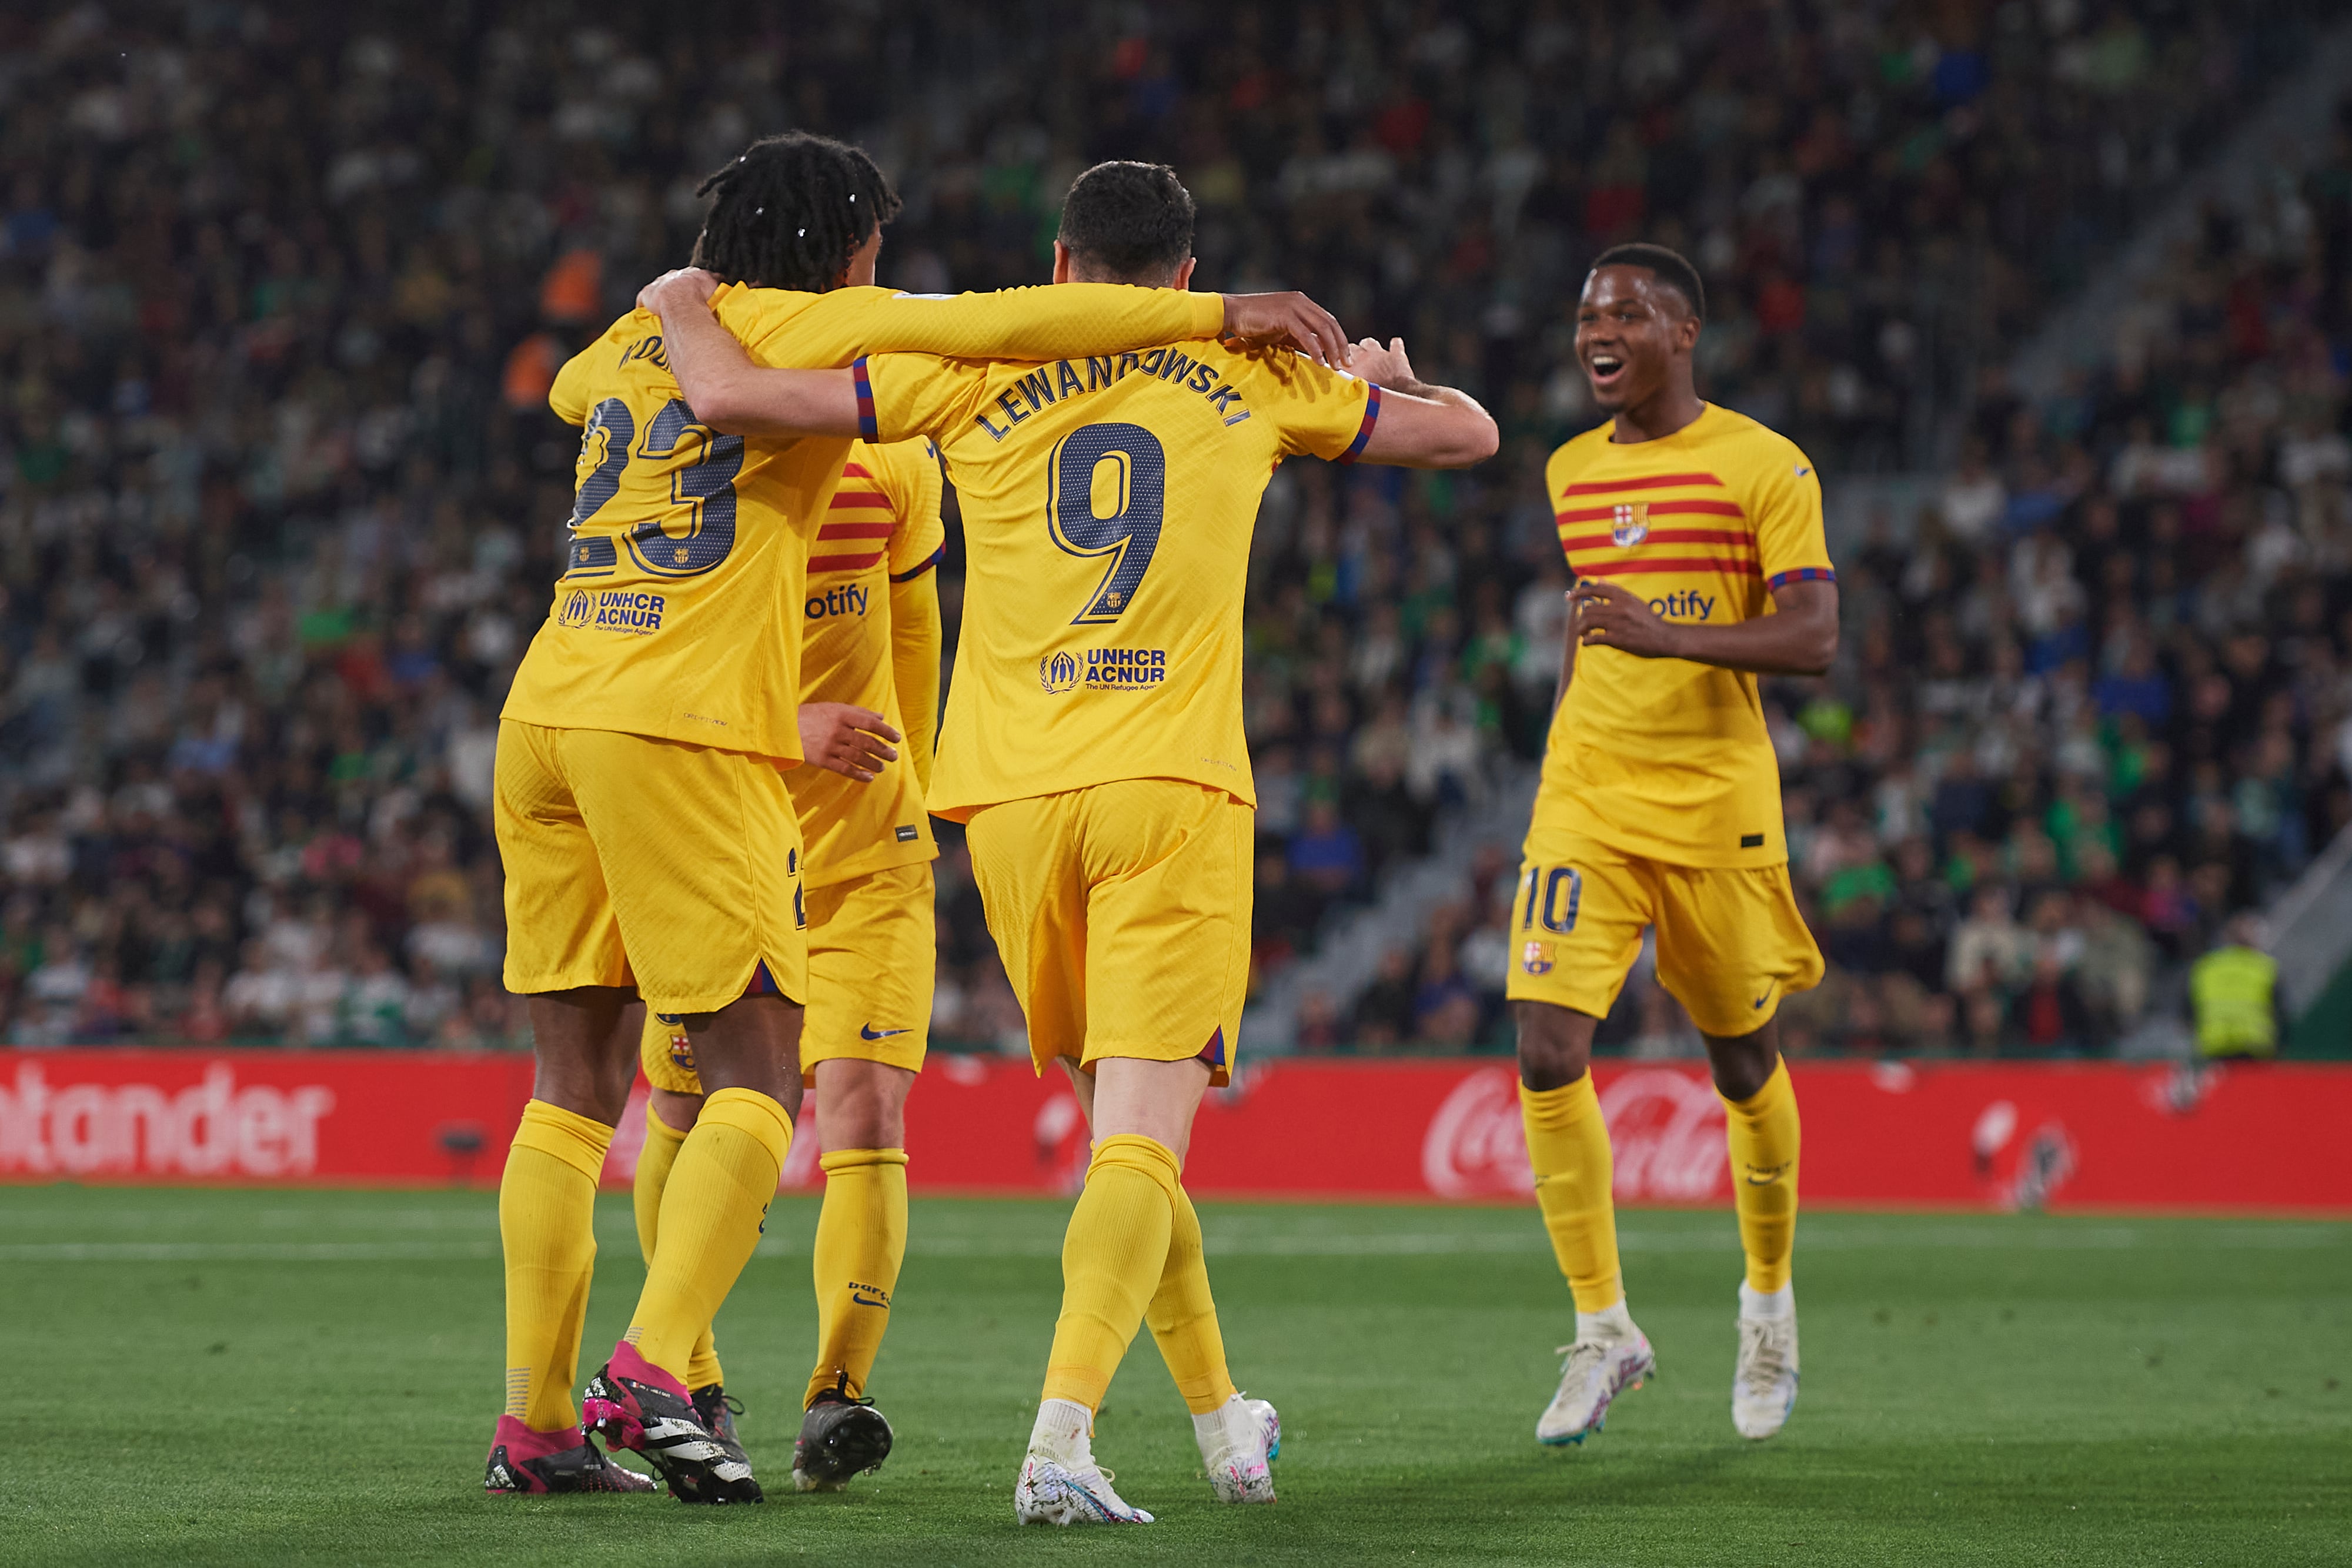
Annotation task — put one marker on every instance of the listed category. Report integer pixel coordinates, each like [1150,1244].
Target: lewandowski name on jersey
[1108,505]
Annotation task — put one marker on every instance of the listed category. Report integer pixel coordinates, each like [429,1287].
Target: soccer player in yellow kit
[870,664]
[1696,537]
[1094,745]
[651,850]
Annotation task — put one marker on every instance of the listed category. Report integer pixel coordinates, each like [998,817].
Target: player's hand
[1606,616]
[679,286]
[851,741]
[1291,319]
[1383,367]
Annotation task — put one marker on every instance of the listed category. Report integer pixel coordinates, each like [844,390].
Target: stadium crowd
[281,499]
[2095,704]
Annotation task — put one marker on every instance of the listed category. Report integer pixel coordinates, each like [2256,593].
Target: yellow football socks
[711,1211]
[547,1227]
[654,1161]
[1112,1258]
[1567,1145]
[861,1239]
[1762,1134]
[1183,1317]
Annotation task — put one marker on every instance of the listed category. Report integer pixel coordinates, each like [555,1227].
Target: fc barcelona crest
[1536,958]
[1629,524]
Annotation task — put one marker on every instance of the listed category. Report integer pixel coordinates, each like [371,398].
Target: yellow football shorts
[633,860]
[1122,912]
[873,953]
[1731,943]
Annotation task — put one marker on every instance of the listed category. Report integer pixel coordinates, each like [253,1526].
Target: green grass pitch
[252,1378]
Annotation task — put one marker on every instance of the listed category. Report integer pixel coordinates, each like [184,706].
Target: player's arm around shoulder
[1417,425]
[728,390]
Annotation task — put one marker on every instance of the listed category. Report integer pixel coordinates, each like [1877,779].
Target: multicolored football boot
[523,1461]
[633,1404]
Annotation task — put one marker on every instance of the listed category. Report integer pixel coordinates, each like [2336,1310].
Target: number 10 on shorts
[1552,894]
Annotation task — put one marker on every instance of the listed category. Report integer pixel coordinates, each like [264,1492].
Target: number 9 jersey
[678,613]
[1107,507]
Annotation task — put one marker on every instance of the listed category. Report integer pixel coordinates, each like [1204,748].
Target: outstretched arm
[1421,425]
[1800,639]
[724,388]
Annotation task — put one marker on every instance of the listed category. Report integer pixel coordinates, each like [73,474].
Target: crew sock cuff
[1135,1152]
[834,1160]
[1766,1100]
[657,1128]
[564,1136]
[755,1114]
[1560,1109]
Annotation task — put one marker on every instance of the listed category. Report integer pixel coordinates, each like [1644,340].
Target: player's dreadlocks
[790,211]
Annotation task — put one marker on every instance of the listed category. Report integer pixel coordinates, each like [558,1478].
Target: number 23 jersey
[1107,507]
[679,613]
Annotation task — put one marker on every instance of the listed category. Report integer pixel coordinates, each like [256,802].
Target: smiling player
[1695,536]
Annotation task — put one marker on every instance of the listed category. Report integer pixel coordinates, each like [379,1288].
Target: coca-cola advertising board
[2244,1137]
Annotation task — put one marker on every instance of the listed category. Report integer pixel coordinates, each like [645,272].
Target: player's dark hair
[1129,223]
[1667,267]
[789,211]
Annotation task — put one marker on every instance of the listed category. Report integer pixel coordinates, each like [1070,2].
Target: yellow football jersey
[679,613]
[1108,507]
[1665,757]
[882,527]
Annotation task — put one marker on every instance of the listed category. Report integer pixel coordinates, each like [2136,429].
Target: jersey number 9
[1125,466]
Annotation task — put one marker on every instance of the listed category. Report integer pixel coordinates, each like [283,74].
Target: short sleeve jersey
[883,526]
[1665,757]
[1107,508]
[677,614]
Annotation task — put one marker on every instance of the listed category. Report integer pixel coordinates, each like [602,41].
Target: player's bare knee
[676,1112]
[1742,1064]
[865,1103]
[584,1045]
[1554,1044]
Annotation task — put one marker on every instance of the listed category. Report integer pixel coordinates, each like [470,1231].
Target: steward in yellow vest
[2233,996]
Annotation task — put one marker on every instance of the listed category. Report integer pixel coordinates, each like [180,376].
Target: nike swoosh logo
[868,1301]
[869,1031]
[1802,472]
[1761,1000]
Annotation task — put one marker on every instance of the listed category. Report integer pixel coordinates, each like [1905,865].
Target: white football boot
[1238,1441]
[1764,1384]
[1609,1356]
[1060,1482]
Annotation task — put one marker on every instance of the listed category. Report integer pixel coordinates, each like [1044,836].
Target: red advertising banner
[2256,1136]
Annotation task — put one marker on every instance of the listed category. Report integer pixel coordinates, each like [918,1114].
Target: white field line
[1253,1242]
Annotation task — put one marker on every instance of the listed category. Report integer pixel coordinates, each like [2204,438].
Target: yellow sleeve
[1320,413]
[913,484]
[908,472]
[569,396]
[1049,322]
[1784,504]
[903,396]
[915,639]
